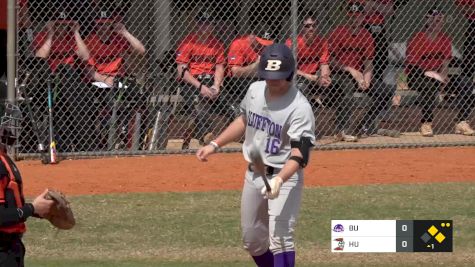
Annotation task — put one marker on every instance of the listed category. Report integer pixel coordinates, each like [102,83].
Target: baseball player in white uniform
[278,122]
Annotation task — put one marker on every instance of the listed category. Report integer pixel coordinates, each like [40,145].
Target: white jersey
[272,125]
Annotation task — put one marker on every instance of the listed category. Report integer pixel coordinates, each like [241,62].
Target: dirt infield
[225,171]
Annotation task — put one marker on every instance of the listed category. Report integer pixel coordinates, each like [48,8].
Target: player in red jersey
[61,45]
[109,43]
[200,64]
[313,58]
[428,56]
[352,51]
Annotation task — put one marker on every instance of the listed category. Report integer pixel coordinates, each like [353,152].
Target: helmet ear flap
[291,76]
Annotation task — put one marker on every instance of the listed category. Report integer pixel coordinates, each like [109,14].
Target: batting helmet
[277,63]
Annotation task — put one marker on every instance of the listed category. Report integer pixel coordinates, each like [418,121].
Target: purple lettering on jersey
[271,128]
[262,123]
[278,131]
[259,120]
[265,122]
[250,118]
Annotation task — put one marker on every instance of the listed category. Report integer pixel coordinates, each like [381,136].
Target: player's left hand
[119,28]
[75,27]
[215,91]
[275,185]
[203,153]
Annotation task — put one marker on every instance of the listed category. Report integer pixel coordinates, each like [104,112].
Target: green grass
[202,229]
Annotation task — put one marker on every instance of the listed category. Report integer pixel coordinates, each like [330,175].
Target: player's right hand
[215,90]
[206,92]
[325,81]
[42,205]
[203,153]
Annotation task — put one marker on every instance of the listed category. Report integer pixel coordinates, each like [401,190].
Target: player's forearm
[325,70]
[109,80]
[186,76]
[10,216]
[368,71]
[291,166]
[82,52]
[248,71]
[219,75]
[134,42]
[233,132]
[45,49]
[349,69]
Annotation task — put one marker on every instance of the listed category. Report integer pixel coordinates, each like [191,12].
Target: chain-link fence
[143,76]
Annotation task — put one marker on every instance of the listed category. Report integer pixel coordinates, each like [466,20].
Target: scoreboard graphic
[392,235]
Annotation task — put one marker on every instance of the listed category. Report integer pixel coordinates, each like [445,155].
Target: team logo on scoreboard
[341,244]
[338,228]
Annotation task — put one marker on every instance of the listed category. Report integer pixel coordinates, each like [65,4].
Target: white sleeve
[245,101]
[302,123]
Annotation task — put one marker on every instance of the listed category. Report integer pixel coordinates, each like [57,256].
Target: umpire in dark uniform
[13,209]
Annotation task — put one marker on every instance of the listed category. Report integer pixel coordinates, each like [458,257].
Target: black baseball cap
[277,63]
[263,33]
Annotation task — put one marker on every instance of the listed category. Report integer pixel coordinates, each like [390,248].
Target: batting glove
[275,185]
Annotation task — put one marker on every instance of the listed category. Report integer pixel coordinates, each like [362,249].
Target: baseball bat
[34,123]
[259,166]
[52,144]
[154,135]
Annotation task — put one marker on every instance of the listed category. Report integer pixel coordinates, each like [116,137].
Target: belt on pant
[269,169]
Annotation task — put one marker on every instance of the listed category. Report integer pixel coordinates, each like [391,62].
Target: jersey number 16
[272,145]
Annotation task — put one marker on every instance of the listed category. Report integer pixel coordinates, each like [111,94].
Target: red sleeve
[325,56]
[235,54]
[184,51]
[369,52]
[333,40]
[414,50]
[220,58]
[39,40]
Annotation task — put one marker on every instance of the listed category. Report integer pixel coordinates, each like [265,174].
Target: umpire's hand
[203,153]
